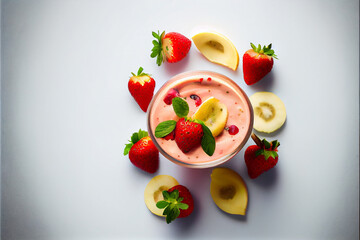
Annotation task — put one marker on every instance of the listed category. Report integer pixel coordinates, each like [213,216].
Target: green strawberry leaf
[266,144]
[157,49]
[165,128]
[155,35]
[253,46]
[135,137]
[181,107]
[266,153]
[264,50]
[275,144]
[127,148]
[138,135]
[140,71]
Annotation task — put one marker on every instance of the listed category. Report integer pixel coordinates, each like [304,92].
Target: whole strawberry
[178,203]
[171,47]
[188,135]
[261,157]
[257,62]
[141,87]
[142,152]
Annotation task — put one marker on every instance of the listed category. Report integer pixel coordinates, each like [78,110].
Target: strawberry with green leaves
[177,203]
[257,63]
[142,152]
[171,47]
[261,157]
[189,133]
[141,86]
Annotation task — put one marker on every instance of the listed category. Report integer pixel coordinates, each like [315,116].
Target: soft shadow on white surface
[67,113]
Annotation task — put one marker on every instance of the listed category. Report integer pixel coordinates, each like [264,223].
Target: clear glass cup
[203,84]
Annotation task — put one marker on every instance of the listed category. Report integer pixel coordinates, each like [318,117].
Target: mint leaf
[183,206]
[166,195]
[165,128]
[181,108]
[208,140]
[162,204]
[174,194]
[167,210]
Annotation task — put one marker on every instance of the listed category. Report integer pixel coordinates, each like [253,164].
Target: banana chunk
[269,112]
[214,114]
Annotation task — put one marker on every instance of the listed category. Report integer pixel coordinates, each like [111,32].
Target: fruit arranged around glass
[165,197]
[141,86]
[142,152]
[257,63]
[229,191]
[202,119]
[215,90]
[269,112]
[170,47]
[217,49]
[261,157]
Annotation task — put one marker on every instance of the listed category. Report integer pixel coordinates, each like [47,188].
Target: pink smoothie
[205,85]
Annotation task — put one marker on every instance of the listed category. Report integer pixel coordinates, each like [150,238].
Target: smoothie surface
[204,87]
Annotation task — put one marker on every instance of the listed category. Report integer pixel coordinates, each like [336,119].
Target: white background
[67,113]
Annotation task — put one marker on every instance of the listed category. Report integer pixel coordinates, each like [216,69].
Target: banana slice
[269,112]
[214,114]
[154,189]
[217,49]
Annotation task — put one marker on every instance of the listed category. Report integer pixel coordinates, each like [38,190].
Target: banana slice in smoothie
[214,114]
[269,111]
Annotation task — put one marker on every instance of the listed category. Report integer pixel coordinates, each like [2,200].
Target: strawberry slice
[171,47]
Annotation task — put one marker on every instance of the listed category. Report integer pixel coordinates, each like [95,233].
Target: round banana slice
[269,112]
[214,114]
[154,189]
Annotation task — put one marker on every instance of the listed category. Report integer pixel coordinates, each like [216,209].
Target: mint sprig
[165,128]
[134,139]
[171,204]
